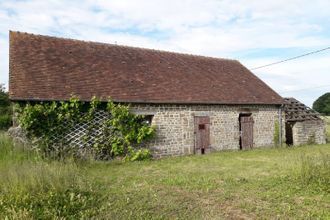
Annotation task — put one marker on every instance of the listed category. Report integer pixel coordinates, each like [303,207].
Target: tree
[322,104]
[5,109]
[4,99]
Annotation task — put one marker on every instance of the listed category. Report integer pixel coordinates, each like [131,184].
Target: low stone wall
[175,126]
[309,132]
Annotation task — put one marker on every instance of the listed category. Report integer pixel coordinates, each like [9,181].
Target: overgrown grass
[264,183]
[32,188]
[315,170]
[327,120]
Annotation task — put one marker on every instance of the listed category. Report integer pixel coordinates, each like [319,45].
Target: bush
[139,155]
[5,121]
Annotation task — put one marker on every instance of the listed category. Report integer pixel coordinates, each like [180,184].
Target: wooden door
[202,134]
[246,132]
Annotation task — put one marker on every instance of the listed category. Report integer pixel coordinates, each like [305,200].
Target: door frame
[240,130]
[204,123]
[289,133]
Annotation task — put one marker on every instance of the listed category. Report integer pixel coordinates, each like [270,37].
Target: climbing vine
[123,133]
[276,137]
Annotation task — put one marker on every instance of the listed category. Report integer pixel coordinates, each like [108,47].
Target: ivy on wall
[276,137]
[123,133]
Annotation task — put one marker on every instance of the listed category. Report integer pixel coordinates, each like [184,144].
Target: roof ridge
[123,46]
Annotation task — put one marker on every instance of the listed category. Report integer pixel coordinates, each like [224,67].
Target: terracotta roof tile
[50,68]
[297,111]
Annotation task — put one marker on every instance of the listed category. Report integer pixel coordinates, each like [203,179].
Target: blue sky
[254,32]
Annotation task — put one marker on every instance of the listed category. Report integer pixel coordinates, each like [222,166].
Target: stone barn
[197,104]
[303,125]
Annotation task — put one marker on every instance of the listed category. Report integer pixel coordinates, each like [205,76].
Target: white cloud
[305,79]
[208,27]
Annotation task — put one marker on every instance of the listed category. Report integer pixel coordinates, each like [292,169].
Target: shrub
[5,121]
[138,155]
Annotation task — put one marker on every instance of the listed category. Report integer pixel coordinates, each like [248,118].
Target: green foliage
[32,188]
[258,184]
[5,109]
[129,131]
[138,155]
[4,98]
[327,123]
[122,133]
[322,104]
[5,121]
[47,204]
[315,170]
[42,120]
[276,137]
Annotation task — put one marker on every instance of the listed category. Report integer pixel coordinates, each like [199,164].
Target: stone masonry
[175,126]
[308,132]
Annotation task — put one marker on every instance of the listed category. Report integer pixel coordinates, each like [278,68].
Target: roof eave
[137,101]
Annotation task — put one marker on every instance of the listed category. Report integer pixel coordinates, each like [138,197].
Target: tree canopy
[322,104]
[4,99]
[5,109]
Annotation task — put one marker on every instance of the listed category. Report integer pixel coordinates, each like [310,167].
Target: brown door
[246,132]
[202,133]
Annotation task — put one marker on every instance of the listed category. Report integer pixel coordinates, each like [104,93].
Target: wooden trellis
[83,134]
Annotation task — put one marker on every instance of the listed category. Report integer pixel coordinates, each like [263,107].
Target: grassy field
[327,120]
[277,183]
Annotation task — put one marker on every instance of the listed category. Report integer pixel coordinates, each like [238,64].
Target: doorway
[202,134]
[288,133]
[246,131]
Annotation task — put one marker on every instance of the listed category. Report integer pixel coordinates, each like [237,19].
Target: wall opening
[288,133]
[245,131]
[202,134]
[147,119]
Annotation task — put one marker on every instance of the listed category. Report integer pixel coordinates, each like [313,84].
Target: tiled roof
[297,111]
[50,68]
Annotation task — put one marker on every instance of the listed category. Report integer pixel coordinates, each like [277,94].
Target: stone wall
[175,126]
[309,132]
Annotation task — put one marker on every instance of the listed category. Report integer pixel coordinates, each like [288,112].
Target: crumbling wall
[309,132]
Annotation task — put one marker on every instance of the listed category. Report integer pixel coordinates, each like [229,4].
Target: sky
[255,32]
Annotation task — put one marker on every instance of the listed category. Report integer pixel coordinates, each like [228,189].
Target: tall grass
[263,183]
[34,188]
[327,120]
[315,170]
